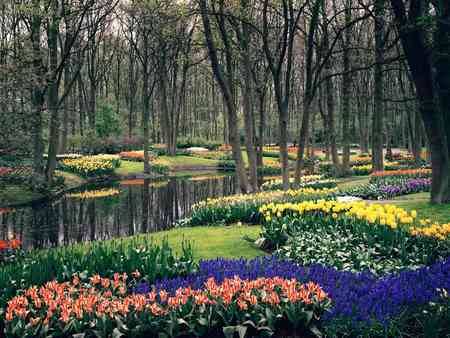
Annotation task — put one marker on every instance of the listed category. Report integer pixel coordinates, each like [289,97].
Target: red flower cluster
[12,244]
[5,171]
[56,304]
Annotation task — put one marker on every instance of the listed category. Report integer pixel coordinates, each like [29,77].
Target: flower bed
[89,166]
[361,302]
[136,156]
[250,307]
[140,253]
[244,208]
[366,169]
[389,188]
[403,173]
[307,181]
[352,236]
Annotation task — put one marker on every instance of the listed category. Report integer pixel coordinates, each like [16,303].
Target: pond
[103,212]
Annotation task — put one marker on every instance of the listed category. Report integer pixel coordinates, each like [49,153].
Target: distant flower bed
[136,155]
[5,171]
[389,187]
[88,166]
[60,157]
[402,173]
[104,305]
[307,181]
[244,208]
[367,168]
[89,194]
[9,250]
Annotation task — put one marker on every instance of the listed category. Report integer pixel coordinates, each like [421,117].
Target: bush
[184,143]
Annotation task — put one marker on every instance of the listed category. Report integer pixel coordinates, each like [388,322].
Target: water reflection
[102,213]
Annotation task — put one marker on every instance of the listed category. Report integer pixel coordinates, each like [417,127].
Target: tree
[432,91]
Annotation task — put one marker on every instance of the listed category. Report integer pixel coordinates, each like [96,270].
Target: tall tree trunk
[227,92]
[53,92]
[308,91]
[347,80]
[247,98]
[37,92]
[378,110]
[421,67]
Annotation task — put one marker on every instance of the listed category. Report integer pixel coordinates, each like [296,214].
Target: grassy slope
[353,181]
[215,241]
[208,242]
[420,202]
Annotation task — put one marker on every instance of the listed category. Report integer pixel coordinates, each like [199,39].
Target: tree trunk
[53,93]
[378,110]
[227,92]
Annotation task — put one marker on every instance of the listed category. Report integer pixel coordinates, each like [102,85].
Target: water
[132,207]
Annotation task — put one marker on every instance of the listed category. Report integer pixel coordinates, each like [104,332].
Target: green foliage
[107,122]
[198,142]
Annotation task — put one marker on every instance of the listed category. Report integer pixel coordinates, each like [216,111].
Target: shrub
[184,143]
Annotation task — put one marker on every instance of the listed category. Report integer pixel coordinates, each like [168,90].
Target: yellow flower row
[95,193]
[429,229]
[262,197]
[303,180]
[383,214]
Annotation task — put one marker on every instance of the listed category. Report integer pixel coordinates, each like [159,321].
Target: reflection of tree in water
[137,209]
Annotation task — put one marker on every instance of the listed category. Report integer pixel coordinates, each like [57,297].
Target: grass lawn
[354,181]
[214,241]
[185,161]
[420,202]
[129,167]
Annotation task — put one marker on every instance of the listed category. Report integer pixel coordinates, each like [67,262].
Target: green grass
[351,182]
[129,168]
[12,194]
[420,203]
[215,241]
[185,161]
[71,180]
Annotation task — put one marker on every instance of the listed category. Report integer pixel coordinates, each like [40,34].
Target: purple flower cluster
[359,297]
[406,187]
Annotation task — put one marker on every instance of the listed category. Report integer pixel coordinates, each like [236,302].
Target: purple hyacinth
[359,297]
[406,187]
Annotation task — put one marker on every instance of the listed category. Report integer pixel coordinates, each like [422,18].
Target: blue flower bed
[361,298]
